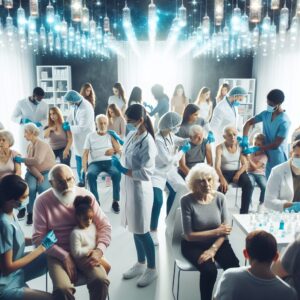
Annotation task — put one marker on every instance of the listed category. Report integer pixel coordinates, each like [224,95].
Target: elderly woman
[40,159]
[205,226]
[7,163]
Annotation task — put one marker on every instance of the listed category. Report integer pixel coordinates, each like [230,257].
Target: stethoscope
[75,112]
[138,144]
[170,142]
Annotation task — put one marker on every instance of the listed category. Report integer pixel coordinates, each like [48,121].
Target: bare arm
[277,142]
[70,141]
[116,145]
[35,172]
[48,131]
[18,170]
[252,165]
[182,165]
[249,123]
[223,181]
[278,269]
[85,157]
[202,235]
[208,154]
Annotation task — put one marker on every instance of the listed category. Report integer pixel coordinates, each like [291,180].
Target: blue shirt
[162,107]
[11,238]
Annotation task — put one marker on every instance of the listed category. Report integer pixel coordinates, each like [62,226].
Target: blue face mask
[270,108]
[131,127]
[22,204]
[236,103]
[296,162]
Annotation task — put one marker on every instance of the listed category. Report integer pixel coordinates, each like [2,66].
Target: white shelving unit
[55,81]
[247,107]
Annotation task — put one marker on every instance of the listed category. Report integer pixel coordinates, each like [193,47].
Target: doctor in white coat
[81,122]
[137,166]
[226,113]
[283,186]
[166,163]
[30,110]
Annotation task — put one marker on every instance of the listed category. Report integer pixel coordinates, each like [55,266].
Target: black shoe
[115,207]
[21,214]
[81,184]
[29,219]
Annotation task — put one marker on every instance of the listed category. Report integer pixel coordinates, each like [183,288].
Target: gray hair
[98,117]
[201,171]
[56,169]
[32,128]
[228,127]
[7,135]
[195,129]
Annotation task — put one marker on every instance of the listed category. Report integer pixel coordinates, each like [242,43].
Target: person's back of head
[261,247]
[157,91]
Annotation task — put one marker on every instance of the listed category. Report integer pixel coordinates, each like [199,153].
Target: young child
[257,167]
[83,236]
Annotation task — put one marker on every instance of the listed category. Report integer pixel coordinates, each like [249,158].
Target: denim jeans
[59,153]
[81,175]
[95,168]
[35,187]
[261,181]
[145,248]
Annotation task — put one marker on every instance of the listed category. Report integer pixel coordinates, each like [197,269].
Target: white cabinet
[247,107]
[55,81]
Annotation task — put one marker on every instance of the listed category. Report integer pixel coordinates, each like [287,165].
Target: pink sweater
[49,213]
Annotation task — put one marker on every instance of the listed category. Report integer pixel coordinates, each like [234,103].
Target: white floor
[121,254]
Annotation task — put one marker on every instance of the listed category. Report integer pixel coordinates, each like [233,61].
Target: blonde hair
[199,172]
[7,135]
[219,94]
[32,128]
[201,94]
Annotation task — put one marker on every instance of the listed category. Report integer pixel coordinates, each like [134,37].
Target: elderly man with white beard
[54,210]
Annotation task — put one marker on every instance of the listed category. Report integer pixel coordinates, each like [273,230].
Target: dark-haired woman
[118,97]
[138,162]
[16,267]
[135,96]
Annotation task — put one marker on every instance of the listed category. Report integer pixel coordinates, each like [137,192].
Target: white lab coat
[224,115]
[36,113]
[280,187]
[136,205]
[81,119]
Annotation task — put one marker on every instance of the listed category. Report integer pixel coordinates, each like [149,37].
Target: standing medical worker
[226,113]
[81,123]
[31,110]
[166,163]
[276,126]
[138,162]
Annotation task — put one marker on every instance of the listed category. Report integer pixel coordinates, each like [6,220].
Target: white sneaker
[260,208]
[148,276]
[154,238]
[134,271]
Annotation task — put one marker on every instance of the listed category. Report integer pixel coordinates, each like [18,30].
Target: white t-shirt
[117,101]
[239,284]
[98,145]
[204,110]
[82,241]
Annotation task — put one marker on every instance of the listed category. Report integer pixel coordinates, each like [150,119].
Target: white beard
[67,198]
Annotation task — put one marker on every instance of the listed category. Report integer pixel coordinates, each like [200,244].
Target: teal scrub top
[279,127]
[11,238]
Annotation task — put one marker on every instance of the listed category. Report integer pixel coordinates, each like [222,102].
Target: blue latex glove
[116,136]
[295,207]
[239,138]
[116,163]
[25,121]
[185,148]
[66,126]
[210,137]
[19,159]
[251,150]
[38,124]
[49,240]
[148,106]
[244,143]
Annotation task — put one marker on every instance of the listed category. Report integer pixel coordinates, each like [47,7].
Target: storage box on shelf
[55,81]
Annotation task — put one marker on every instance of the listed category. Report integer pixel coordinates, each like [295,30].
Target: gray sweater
[197,216]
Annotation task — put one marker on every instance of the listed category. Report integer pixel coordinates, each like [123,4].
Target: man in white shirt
[99,147]
[256,282]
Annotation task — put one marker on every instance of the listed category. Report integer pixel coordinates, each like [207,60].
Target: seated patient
[256,282]
[98,149]
[83,236]
[231,167]
[199,152]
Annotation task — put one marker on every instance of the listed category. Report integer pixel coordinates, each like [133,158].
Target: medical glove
[185,148]
[49,240]
[38,124]
[251,150]
[210,137]
[116,136]
[66,126]
[295,207]
[25,121]
[148,106]
[244,142]
[116,163]
[19,159]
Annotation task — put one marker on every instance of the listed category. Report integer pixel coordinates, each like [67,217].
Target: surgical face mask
[271,108]
[22,204]
[131,127]
[296,162]
[236,103]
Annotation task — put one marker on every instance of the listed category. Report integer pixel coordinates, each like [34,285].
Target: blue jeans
[35,187]
[95,168]
[157,204]
[145,248]
[59,153]
[261,181]
[81,175]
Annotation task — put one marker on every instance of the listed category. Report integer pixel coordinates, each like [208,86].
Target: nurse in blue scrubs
[276,125]
[16,267]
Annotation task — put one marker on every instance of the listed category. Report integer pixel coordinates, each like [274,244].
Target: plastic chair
[180,262]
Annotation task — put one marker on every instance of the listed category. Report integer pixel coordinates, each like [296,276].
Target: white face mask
[296,162]
[67,198]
